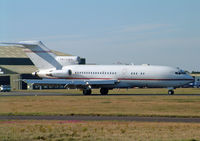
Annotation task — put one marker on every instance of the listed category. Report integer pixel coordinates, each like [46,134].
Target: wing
[73,83]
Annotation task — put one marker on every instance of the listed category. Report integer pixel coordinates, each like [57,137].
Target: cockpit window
[180,72]
[176,72]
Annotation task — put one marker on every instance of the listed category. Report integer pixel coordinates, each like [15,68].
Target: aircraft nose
[189,77]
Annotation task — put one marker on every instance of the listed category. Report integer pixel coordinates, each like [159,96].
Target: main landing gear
[104,91]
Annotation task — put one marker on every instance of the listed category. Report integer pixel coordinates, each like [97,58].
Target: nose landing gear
[87,91]
[170,92]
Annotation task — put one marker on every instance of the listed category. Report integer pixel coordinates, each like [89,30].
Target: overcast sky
[153,32]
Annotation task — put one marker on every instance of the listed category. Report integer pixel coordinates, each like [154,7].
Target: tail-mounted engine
[60,73]
[68,60]
[53,73]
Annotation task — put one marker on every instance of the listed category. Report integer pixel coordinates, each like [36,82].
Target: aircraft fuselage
[128,76]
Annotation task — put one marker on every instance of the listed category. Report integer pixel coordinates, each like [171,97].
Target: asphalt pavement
[102,118]
[68,94]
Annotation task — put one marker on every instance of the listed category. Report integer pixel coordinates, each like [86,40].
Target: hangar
[15,66]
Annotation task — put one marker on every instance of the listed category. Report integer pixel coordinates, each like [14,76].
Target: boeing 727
[105,77]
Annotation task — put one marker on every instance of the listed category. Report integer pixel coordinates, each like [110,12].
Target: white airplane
[105,77]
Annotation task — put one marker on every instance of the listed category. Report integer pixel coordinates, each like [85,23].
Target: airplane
[105,77]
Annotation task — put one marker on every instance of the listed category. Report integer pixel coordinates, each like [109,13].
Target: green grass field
[97,131]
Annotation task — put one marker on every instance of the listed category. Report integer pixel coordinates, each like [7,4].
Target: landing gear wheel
[171,92]
[104,91]
[87,91]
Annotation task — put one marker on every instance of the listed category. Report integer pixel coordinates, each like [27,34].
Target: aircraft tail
[39,54]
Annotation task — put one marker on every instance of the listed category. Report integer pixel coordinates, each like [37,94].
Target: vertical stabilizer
[39,54]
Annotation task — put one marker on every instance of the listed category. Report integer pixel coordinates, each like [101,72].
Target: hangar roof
[16,52]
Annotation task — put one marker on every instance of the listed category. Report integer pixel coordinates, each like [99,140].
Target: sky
[153,32]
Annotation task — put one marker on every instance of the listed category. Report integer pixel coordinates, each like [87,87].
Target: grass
[97,130]
[176,106]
